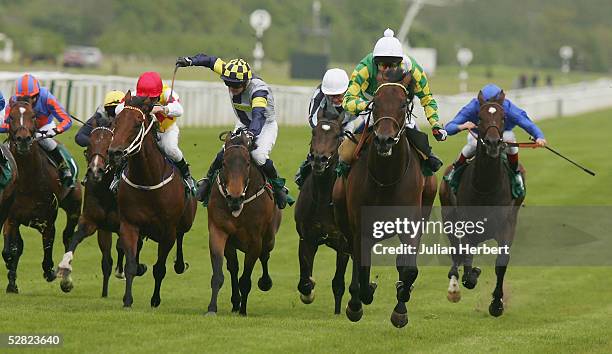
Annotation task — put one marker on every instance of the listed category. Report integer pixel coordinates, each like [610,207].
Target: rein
[136,145]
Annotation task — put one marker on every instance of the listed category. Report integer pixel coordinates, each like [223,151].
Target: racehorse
[38,195]
[314,214]
[241,215]
[151,198]
[387,173]
[99,211]
[483,193]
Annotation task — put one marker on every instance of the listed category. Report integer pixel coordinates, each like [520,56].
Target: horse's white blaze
[95,160]
[22,111]
[325,127]
[65,263]
[492,110]
[237,212]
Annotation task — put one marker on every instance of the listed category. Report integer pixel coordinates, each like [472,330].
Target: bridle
[401,127]
[222,185]
[136,144]
[480,138]
[334,154]
[107,166]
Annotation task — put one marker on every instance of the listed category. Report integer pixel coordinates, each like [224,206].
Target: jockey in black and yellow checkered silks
[388,54]
[253,104]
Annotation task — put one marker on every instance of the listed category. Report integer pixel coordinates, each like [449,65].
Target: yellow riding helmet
[113,98]
[236,71]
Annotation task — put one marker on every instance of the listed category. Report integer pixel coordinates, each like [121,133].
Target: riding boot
[62,167]
[303,172]
[281,193]
[456,167]
[516,173]
[421,141]
[205,183]
[184,168]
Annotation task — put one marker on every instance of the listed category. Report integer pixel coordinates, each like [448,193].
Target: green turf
[562,309]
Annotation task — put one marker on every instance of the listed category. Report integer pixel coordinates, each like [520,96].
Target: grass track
[563,309]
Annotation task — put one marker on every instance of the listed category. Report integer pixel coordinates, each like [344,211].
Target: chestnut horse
[99,211]
[241,215]
[483,194]
[151,198]
[387,173]
[314,213]
[39,194]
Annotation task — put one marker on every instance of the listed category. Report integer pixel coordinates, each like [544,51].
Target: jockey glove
[183,61]
[439,134]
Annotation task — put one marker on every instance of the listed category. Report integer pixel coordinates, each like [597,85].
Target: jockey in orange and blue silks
[46,107]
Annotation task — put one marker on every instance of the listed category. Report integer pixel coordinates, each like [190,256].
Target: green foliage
[521,32]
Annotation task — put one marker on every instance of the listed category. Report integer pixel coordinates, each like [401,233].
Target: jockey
[105,113]
[166,110]
[253,105]
[467,118]
[388,54]
[328,97]
[45,107]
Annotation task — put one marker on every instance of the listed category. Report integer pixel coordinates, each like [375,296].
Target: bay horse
[483,193]
[7,195]
[38,195]
[314,213]
[99,210]
[151,198]
[241,215]
[387,173]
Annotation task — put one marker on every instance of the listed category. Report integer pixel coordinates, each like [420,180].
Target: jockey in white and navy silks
[253,104]
[467,118]
[46,107]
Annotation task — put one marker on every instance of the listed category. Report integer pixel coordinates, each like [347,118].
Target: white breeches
[470,148]
[168,142]
[265,141]
[48,144]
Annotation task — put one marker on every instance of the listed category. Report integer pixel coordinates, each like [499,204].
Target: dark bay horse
[151,198]
[39,194]
[387,173]
[7,196]
[99,210]
[483,193]
[241,215]
[314,213]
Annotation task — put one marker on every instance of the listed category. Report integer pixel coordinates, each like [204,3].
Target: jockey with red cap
[46,107]
[166,110]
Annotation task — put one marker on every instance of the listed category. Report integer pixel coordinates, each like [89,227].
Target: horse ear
[128,96]
[481,99]
[501,97]
[406,79]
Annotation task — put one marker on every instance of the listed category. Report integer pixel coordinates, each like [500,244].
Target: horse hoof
[119,274]
[141,270]
[155,301]
[496,308]
[399,320]
[66,285]
[264,284]
[179,268]
[12,289]
[49,275]
[354,316]
[308,299]
[210,314]
[454,297]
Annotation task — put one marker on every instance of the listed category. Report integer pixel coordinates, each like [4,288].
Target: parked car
[79,56]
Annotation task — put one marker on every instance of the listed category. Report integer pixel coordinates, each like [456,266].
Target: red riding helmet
[27,86]
[149,85]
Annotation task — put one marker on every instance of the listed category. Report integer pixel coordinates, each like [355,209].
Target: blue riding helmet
[490,92]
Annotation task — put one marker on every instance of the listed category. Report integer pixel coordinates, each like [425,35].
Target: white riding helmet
[388,46]
[335,82]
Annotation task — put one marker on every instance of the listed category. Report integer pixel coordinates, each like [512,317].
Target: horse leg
[64,268]
[265,282]
[354,308]
[141,268]
[408,273]
[244,282]
[496,308]
[73,212]
[232,268]
[48,237]
[179,264]
[105,242]
[129,239]
[120,254]
[159,269]
[13,248]
[454,291]
[470,274]
[338,281]
[216,244]
[306,253]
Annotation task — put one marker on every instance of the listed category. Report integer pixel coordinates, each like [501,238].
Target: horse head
[390,110]
[131,126]
[234,177]
[326,137]
[491,124]
[22,125]
[97,151]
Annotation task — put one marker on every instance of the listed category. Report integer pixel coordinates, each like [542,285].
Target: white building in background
[6,51]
